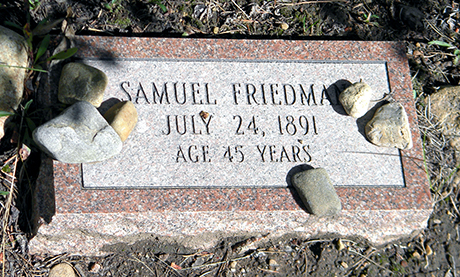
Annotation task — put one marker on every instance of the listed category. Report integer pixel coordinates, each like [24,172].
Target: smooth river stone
[81,82]
[317,192]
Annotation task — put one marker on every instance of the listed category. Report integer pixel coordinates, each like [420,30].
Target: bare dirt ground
[432,252]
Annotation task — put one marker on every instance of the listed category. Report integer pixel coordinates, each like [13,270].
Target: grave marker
[222,126]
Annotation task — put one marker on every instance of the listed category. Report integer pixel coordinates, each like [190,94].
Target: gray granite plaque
[233,123]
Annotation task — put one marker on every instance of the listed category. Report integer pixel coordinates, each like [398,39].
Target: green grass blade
[3,113]
[64,54]
[22,67]
[27,105]
[43,46]
[440,43]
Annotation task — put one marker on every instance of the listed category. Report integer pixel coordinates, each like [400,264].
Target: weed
[34,4]
[109,6]
[368,17]
[43,27]
[159,4]
[448,46]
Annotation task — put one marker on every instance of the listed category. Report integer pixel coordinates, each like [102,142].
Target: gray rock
[317,192]
[14,53]
[79,135]
[356,98]
[81,82]
[390,127]
[445,106]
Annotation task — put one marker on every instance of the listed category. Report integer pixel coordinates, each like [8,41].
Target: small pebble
[344,264]
[62,270]
[272,263]
[95,267]
[215,30]
[284,26]
[403,263]
[232,266]
[428,250]
[340,245]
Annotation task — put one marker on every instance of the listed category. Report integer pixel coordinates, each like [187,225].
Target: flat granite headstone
[223,125]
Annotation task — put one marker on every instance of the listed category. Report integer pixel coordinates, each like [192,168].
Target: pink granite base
[81,221]
[87,234]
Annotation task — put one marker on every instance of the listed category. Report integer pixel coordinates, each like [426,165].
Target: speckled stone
[445,106]
[122,117]
[201,217]
[13,52]
[356,98]
[390,127]
[317,192]
[79,135]
[80,82]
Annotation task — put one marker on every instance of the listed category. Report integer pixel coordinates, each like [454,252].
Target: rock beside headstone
[3,120]
[62,270]
[356,98]
[81,82]
[317,192]
[123,118]
[445,106]
[390,127]
[13,53]
[79,135]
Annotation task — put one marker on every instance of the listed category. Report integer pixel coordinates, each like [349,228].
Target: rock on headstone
[356,98]
[445,105]
[79,135]
[81,82]
[317,192]
[390,127]
[123,118]
[13,53]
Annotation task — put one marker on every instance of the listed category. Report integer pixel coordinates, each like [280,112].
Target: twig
[267,270]
[359,254]
[139,261]
[439,32]
[239,8]
[168,266]
[312,2]
[217,263]
[7,214]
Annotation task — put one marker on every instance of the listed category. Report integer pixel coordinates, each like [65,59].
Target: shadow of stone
[107,104]
[292,190]
[363,120]
[333,92]
[40,200]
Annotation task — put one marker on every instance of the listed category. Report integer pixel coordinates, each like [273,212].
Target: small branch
[313,2]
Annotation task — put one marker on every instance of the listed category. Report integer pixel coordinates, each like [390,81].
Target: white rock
[356,98]
[390,127]
[79,135]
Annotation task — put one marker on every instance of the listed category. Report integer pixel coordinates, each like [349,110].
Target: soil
[432,252]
